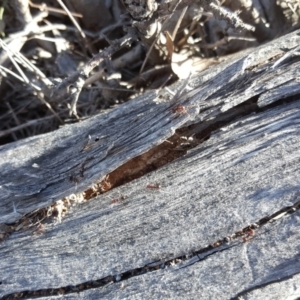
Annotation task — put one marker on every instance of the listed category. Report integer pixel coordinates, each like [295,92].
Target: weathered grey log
[242,174]
[36,172]
[264,268]
[245,172]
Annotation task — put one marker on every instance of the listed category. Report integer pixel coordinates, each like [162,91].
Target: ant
[153,186]
[249,235]
[118,200]
[39,229]
[179,109]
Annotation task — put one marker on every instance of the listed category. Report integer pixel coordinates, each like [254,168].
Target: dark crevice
[280,102]
[242,236]
[176,146]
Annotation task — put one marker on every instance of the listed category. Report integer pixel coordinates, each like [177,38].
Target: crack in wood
[183,261]
[176,146]
[225,105]
[217,83]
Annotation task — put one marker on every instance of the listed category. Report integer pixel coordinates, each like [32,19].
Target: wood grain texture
[116,137]
[244,172]
[36,172]
[266,267]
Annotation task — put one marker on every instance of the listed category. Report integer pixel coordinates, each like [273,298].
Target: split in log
[224,222]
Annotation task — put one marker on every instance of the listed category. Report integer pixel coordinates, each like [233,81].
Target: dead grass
[60,63]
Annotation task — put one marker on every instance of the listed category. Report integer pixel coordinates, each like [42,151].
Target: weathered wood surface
[36,172]
[239,176]
[265,268]
[243,173]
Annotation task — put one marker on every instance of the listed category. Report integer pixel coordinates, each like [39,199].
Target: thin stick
[13,113]
[46,28]
[25,79]
[10,54]
[4,70]
[76,25]
[225,41]
[24,125]
[178,23]
[78,79]
[72,19]
[53,9]
[26,63]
